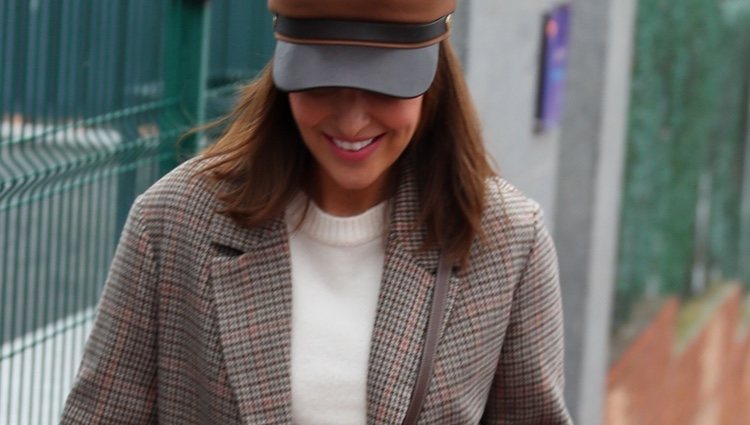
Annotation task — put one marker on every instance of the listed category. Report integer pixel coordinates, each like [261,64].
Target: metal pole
[185,72]
[744,248]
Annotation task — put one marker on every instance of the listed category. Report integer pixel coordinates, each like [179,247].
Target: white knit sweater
[337,264]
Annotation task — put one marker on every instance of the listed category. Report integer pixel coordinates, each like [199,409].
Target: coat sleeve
[116,378]
[528,382]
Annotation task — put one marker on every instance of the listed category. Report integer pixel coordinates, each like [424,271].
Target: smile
[353,146]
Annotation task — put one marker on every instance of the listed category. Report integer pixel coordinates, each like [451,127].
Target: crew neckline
[334,230]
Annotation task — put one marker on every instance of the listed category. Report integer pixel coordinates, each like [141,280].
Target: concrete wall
[573,172]
[503,43]
[589,191]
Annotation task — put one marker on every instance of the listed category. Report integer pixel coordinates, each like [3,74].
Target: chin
[355,183]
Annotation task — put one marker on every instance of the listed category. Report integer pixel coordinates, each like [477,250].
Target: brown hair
[262,154]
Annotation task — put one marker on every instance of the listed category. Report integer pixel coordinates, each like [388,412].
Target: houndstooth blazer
[195,320]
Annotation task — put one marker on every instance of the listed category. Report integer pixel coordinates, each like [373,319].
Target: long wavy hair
[262,156]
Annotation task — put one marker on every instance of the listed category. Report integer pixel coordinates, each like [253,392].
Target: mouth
[353,145]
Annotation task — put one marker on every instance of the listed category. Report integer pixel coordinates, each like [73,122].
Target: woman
[289,273]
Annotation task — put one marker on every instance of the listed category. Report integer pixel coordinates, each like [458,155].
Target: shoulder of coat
[182,196]
[509,211]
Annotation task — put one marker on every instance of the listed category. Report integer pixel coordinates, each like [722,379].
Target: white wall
[502,63]
[573,172]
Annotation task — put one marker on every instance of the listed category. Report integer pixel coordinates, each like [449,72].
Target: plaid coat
[194,323]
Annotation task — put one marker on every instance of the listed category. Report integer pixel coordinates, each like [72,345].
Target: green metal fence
[93,97]
[682,223]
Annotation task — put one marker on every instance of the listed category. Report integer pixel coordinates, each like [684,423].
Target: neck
[343,202]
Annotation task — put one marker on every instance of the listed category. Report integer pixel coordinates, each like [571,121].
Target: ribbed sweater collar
[337,231]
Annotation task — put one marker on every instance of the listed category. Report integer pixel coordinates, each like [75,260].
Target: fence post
[186,70]
[744,249]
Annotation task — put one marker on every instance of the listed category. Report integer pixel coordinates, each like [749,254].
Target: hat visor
[404,73]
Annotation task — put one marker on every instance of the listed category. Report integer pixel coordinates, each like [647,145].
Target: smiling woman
[343,254]
[275,145]
[355,137]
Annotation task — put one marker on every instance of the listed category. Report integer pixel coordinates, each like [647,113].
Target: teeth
[353,146]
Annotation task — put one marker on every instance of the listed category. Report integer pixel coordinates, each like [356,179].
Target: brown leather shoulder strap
[430,343]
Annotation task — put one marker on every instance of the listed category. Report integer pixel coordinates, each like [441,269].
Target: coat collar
[253,293]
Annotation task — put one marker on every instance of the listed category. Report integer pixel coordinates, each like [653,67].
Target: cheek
[405,115]
[306,112]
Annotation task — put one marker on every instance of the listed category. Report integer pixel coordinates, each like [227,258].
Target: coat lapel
[251,279]
[403,311]
[253,295]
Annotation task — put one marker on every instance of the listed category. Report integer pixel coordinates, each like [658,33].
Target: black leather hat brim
[403,73]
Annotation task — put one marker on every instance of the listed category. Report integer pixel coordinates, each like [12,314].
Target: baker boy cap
[385,46]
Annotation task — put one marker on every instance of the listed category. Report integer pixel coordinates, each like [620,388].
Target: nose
[351,111]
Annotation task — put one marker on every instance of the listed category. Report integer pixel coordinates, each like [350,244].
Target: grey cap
[403,73]
[385,46]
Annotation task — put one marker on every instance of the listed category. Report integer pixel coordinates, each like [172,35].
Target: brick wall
[705,381]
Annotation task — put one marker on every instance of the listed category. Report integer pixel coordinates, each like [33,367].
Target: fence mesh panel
[86,125]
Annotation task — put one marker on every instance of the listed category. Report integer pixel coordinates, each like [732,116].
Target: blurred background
[626,119]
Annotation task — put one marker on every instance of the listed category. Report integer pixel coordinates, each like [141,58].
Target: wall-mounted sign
[554,65]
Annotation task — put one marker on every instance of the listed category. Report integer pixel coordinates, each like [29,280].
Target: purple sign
[554,68]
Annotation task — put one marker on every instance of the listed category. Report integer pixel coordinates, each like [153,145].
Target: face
[355,137]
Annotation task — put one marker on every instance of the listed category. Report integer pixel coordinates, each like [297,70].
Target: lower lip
[355,156]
